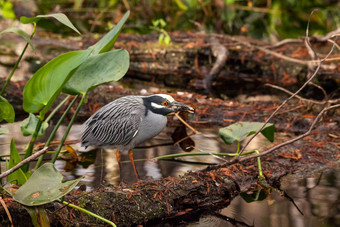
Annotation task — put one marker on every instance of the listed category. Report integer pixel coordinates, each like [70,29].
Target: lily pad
[44,186]
[241,130]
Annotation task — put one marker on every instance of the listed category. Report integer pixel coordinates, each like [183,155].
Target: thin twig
[7,211]
[186,124]
[185,138]
[234,160]
[325,96]
[23,162]
[331,101]
[294,139]
[276,54]
[332,41]
[289,98]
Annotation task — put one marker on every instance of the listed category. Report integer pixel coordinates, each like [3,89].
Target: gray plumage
[129,121]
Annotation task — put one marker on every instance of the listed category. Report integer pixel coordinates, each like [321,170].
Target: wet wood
[209,111]
[191,59]
[230,63]
[168,199]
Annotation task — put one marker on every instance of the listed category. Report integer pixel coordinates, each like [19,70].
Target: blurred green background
[269,20]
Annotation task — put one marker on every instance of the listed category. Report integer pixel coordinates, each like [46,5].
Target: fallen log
[209,112]
[166,199]
[192,58]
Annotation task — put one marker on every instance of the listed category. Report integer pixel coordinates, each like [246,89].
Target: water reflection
[150,168]
[317,197]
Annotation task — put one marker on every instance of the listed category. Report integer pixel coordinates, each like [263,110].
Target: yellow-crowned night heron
[129,121]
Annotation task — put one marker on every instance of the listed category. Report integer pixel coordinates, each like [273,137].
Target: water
[317,196]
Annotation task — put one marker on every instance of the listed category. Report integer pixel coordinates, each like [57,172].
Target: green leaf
[6,10]
[181,5]
[98,69]
[15,158]
[229,2]
[46,83]
[6,111]
[3,130]
[19,32]
[160,38]
[44,186]
[155,23]
[241,130]
[29,125]
[106,43]
[38,215]
[162,23]
[167,40]
[62,18]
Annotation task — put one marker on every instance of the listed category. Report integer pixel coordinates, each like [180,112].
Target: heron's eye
[165,103]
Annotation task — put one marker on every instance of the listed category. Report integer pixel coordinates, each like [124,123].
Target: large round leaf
[44,186]
[240,130]
[6,110]
[47,82]
[98,69]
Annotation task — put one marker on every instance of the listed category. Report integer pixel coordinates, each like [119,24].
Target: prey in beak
[181,107]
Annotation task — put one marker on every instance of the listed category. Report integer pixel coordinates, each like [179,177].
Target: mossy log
[168,199]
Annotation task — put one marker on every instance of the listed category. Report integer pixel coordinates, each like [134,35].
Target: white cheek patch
[156,106]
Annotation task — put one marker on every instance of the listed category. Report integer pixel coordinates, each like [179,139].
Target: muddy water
[317,196]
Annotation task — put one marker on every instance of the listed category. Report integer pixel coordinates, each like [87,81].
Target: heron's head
[165,104]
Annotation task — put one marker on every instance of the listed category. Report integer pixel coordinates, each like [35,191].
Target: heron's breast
[151,126]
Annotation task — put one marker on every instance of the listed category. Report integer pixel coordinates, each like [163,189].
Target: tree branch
[292,96]
[23,162]
[294,139]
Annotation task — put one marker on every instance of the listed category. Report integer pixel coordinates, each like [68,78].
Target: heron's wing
[117,123]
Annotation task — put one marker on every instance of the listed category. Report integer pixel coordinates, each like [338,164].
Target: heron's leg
[133,163]
[119,165]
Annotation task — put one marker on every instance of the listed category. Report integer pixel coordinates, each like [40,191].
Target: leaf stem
[31,143]
[259,164]
[57,108]
[56,127]
[55,156]
[238,147]
[89,213]
[17,62]
[23,162]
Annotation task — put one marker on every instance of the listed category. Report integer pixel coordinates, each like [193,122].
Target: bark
[208,112]
[240,64]
[230,64]
[167,199]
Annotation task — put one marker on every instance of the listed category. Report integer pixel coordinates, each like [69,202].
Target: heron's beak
[178,107]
